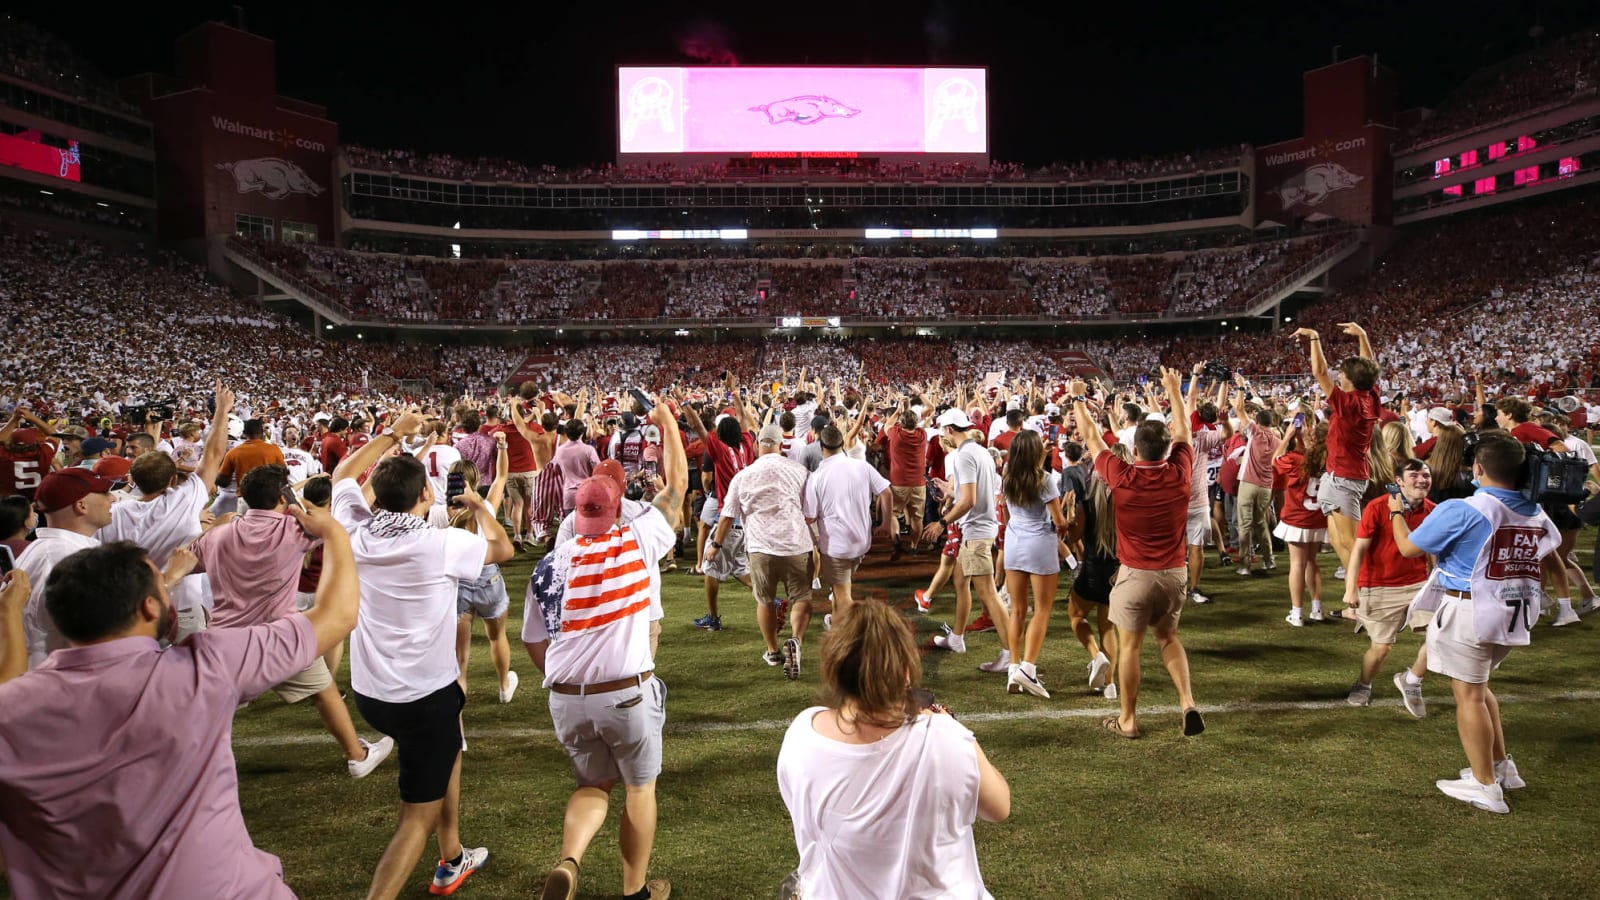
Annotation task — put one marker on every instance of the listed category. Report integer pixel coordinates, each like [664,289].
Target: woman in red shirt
[1301,524]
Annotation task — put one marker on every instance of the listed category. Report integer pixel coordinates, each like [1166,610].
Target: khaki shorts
[1383,610]
[976,558]
[615,735]
[838,571]
[909,503]
[519,486]
[1453,646]
[1148,598]
[315,677]
[767,572]
[1197,527]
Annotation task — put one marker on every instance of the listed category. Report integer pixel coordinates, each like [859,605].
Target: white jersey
[301,465]
[437,461]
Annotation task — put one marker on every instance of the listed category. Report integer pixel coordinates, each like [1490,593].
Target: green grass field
[1289,792]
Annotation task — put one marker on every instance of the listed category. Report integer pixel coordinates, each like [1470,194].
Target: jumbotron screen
[27,150]
[740,109]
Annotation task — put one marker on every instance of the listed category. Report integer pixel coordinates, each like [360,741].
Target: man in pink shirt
[1255,482]
[254,562]
[118,749]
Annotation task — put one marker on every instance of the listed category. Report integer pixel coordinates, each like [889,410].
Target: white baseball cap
[954,418]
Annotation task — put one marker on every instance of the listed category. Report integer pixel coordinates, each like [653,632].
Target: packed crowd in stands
[35,55]
[490,169]
[410,289]
[1552,74]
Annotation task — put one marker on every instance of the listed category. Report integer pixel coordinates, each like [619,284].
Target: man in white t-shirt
[166,513]
[402,654]
[975,487]
[838,502]
[586,627]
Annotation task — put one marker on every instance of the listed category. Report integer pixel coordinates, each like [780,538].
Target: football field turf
[1289,792]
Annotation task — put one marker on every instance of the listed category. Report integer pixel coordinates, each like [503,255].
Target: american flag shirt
[590,598]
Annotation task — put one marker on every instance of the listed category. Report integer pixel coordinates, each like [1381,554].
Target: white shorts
[1453,646]
[1197,529]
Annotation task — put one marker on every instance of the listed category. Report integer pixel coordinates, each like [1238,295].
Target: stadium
[203,276]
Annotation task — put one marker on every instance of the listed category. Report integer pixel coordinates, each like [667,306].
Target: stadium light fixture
[47,193]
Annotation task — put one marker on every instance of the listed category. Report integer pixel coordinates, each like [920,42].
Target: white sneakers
[510,690]
[1411,694]
[1468,790]
[1099,671]
[955,643]
[1197,597]
[1589,606]
[1001,663]
[1505,774]
[1295,618]
[1360,695]
[1566,616]
[1024,678]
[376,754]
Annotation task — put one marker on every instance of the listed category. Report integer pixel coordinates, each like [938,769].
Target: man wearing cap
[92,449]
[76,503]
[767,497]
[71,438]
[586,627]
[1437,417]
[611,470]
[976,484]
[166,514]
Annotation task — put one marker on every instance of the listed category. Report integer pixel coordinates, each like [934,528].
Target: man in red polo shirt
[1353,410]
[1382,582]
[907,448]
[1151,499]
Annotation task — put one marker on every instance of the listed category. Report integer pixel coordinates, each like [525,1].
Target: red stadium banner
[27,151]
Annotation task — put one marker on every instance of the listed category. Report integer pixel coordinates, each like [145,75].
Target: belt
[1459,595]
[601,687]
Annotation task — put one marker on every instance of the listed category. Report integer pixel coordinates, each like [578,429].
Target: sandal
[1114,726]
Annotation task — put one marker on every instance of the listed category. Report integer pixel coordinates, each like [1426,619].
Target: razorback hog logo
[805,110]
[275,178]
[1315,183]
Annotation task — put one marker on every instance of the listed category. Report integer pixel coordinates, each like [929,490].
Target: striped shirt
[591,600]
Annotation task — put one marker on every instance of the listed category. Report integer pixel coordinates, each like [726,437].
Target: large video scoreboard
[818,112]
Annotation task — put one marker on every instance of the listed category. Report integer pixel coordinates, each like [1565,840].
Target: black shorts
[427,737]
[1562,515]
[1214,491]
[1094,580]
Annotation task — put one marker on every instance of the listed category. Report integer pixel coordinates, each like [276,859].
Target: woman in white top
[883,788]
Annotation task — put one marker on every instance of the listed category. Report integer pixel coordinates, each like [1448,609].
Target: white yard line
[1039,713]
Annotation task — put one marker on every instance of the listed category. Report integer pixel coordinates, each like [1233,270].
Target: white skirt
[1295,535]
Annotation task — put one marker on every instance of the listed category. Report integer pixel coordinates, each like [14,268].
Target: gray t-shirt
[973,466]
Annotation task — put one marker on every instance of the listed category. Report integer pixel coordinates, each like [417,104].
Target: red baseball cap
[613,470]
[64,487]
[113,467]
[598,505]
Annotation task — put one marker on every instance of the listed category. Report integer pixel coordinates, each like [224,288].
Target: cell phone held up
[454,486]
[645,406]
[289,498]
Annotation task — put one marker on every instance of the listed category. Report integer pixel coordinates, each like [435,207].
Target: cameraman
[1489,549]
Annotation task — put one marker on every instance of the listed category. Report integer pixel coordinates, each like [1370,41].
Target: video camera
[1217,371]
[160,410]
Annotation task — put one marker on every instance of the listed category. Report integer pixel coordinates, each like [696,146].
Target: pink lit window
[1483,186]
[1568,167]
[1441,166]
[1525,143]
[1529,175]
[1497,150]
[1453,190]
[1469,159]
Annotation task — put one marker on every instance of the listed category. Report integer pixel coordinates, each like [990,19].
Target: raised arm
[1319,363]
[333,616]
[502,472]
[528,434]
[216,439]
[674,465]
[1360,334]
[1178,420]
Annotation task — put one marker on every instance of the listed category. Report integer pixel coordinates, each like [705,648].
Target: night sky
[1068,80]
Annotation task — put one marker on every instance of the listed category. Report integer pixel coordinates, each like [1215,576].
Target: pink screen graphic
[825,110]
[18,150]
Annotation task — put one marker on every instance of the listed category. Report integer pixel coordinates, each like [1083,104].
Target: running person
[1033,559]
